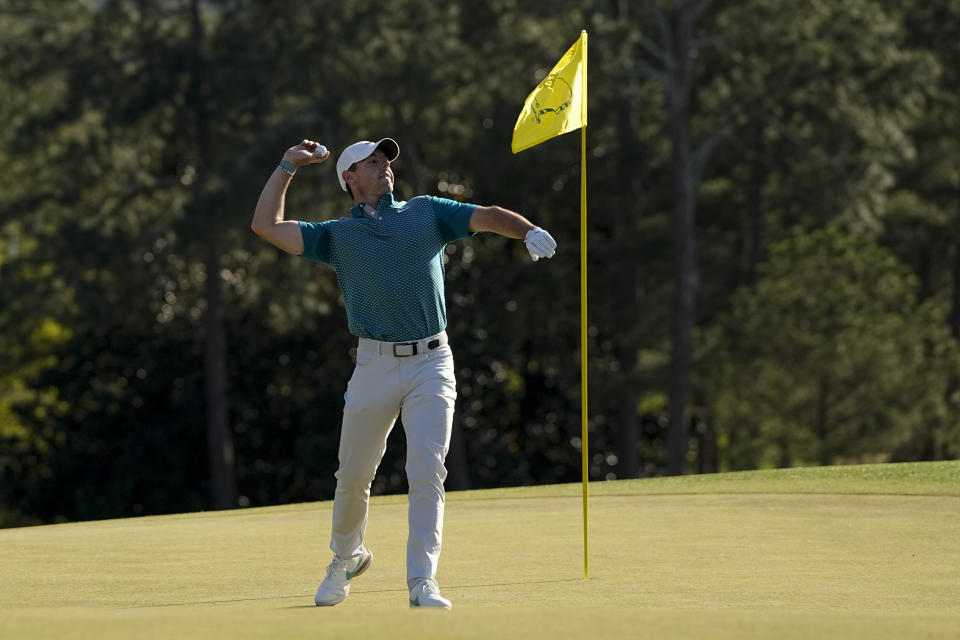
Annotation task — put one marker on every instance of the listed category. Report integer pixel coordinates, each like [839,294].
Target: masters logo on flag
[558,104]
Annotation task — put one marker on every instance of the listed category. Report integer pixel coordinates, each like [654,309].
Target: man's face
[372,175]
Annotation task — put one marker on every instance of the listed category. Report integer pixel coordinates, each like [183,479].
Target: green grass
[837,552]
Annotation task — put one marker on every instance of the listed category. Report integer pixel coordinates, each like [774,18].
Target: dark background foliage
[774,247]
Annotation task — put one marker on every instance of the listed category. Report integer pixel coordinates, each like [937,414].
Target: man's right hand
[268,218]
[306,153]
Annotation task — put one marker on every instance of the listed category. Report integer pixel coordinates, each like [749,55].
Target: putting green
[835,552]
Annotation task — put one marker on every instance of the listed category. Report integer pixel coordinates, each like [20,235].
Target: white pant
[422,389]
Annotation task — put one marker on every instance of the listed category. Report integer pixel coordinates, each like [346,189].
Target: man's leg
[427,417]
[371,409]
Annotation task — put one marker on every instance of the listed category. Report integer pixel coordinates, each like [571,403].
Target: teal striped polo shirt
[390,265]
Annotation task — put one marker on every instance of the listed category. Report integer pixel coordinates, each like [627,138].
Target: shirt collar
[356,212]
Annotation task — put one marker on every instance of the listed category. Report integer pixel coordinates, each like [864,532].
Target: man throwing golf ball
[388,257]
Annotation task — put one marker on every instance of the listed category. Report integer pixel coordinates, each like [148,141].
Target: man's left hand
[540,244]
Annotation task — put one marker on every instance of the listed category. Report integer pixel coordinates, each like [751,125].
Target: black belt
[414,347]
[403,349]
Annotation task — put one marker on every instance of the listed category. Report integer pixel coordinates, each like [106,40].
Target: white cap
[360,150]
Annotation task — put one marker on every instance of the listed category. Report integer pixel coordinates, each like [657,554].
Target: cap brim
[390,148]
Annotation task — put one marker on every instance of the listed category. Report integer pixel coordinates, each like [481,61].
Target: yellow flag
[558,104]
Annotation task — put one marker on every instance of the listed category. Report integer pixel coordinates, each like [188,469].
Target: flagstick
[529,131]
[584,447]
[583,339]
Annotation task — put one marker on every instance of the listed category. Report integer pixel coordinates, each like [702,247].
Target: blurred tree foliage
[136,142]
[819,362]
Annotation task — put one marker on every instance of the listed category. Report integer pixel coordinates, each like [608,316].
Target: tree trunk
[823,404]
[628,435]
[223,487]
[411,154]
[458,478]
[681,363]
[223,484]
[955,298]
[626,283]
[758,176]
[707,446]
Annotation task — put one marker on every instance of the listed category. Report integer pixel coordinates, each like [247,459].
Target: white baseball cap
[360,150]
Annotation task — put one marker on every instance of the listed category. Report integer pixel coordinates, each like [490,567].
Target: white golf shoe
[336,586]
[426,593]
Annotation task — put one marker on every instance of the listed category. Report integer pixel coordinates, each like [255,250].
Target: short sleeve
[453,217]
[316,240]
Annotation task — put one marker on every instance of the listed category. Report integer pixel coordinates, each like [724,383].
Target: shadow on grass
[356,593]
[519,583]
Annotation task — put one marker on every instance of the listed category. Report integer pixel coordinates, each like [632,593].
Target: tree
[135,298]
[829,358]
[675,54]
[821,99]
[923,224]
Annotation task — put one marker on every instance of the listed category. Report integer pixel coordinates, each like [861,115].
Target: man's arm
[268,218]
[499,220]
[540,244]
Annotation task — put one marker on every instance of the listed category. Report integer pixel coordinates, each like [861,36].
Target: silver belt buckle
[412,345]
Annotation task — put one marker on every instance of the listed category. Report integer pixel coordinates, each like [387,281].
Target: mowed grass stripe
[924,478]
[855,552]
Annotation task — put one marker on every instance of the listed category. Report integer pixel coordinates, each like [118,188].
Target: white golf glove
[540,244]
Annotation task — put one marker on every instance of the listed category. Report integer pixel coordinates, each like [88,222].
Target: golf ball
[320,149]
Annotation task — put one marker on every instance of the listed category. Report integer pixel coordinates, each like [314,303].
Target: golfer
[388,257]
